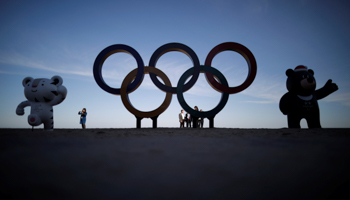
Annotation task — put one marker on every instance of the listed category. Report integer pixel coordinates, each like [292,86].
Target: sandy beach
[173,163]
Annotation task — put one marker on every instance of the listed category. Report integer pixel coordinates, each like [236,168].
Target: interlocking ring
[125,97]
[249,57]
[104,54]
[204,114]
[132,81]
[175,47]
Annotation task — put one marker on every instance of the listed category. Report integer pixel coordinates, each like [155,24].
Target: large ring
[104,54]
[249,57]
[125,97]
[187,108]
[175,47]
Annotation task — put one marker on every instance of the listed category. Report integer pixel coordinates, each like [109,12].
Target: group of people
[187,118]
[183,118]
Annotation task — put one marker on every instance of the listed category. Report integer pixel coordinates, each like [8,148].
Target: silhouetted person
[182,119]
[200,121]
[188,119]
[195,119]
[83,117]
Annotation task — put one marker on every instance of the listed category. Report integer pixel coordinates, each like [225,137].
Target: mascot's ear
[289,72]
[311,71]
[57,80]
[26,80]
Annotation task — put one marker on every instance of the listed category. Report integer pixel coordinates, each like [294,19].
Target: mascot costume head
[301,99]
[42,94]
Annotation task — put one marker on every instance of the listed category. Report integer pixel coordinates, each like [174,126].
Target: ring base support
[138,121]
[154,121]
[211,122]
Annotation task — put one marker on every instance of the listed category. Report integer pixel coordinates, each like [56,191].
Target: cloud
[23,61]
[343,98]
[261,102]
[269,88]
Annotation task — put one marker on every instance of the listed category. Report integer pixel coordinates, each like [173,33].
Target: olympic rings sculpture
[133,80]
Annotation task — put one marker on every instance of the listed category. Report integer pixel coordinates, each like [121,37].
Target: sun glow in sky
[41,39]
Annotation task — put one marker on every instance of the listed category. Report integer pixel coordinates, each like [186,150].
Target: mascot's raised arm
[42,94]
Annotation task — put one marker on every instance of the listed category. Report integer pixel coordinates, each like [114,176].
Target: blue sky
[46,38]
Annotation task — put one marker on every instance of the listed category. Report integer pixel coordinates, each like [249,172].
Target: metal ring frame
[132,81]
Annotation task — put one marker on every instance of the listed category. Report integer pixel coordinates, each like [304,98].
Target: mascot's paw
[19,111]
[331,86]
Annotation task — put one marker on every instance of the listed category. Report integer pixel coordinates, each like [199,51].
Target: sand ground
[173,163]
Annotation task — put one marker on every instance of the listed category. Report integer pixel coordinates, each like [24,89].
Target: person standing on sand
[200,121]
[182,118]
[195,119]
[83,117]
[188,119]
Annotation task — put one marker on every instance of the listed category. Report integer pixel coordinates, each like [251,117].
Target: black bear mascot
[301,99]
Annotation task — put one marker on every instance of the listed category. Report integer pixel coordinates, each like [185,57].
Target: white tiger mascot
[42,94]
